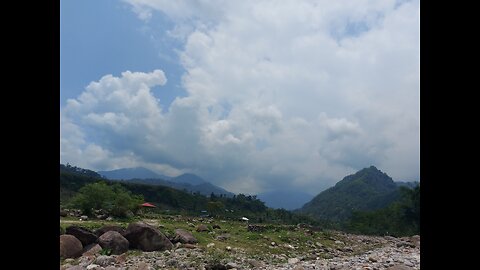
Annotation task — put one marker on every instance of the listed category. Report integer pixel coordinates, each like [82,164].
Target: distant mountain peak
[189,178]
[367,189]
[130,173]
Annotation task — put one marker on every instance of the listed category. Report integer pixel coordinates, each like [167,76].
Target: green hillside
[366,190]
[176,201]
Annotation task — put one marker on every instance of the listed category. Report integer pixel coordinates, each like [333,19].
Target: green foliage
[366,190]
[113,198]
[106,251]
[86,192]
[398,219]
[215,208]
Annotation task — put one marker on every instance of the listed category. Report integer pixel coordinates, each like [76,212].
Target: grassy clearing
[289,241]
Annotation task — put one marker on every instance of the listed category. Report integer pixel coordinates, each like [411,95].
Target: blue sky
[251,95]
[106,37]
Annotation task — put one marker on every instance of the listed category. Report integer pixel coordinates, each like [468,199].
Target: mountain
[366,190]
[411,184]
[186,182]
[77,170]
[286,199]
[205,188]
[131,173]
[188,178]
[173,201]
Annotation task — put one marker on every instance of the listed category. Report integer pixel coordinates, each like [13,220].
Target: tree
[93,196]
[114,199]
[215,207]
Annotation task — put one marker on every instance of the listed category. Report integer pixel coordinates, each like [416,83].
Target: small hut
[146,206]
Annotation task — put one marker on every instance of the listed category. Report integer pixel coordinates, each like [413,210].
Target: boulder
[103,260]
[63,213]
[108,228]
[114,241]
[184,237]
[147,238]
[70,246]
[190,246]
[92,250]
[223,237]
[215,266]
[84,235]
[255,228]
[202,228]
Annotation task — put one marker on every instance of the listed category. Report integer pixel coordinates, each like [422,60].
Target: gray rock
[255,263]
[70,246]
[146,237]
[202,228]
[84,261]
[143,266]
[184,237]
[223,237]
[172,262]
[231,265]
[108,228]
[216,266]
[103,260]
[84,235]
[114,241]
[92,250]
[293,260]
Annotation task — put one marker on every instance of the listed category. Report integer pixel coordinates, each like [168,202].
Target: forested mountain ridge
[180,202]
[187,182]
[131,173]
[366,190]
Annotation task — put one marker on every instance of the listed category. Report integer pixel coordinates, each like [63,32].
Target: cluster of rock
[139,235]
[99,214]
[393,254]
[179,251]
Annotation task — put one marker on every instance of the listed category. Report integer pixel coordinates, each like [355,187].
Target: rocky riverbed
[351,252]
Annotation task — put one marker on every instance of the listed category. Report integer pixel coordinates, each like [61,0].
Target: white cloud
[295,93]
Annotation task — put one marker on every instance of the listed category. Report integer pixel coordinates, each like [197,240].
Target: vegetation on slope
[400,218]
[174,201]
[368,189]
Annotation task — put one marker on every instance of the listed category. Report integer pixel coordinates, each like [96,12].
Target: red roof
[148,205]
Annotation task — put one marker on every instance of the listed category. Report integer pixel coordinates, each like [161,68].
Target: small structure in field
[148,205]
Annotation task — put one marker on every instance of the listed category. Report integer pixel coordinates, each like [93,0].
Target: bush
[115,199]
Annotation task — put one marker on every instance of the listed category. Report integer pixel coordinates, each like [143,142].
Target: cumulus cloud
[297,93]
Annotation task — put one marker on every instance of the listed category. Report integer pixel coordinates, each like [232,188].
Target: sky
[252,95]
